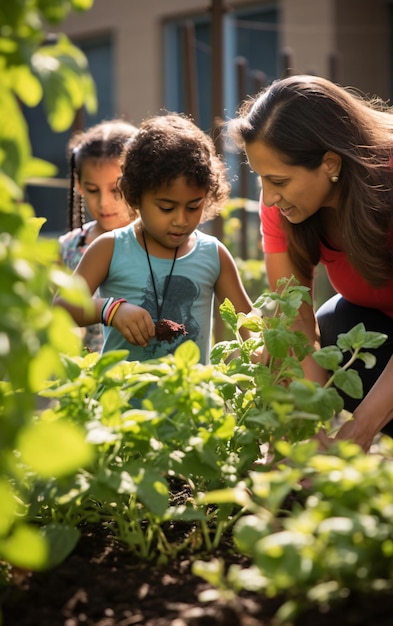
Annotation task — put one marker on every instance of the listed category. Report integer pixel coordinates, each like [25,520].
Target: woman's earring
[334,179]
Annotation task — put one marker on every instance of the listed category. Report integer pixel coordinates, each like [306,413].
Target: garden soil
[102,584]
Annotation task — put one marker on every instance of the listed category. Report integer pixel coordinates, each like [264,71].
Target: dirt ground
[102,584]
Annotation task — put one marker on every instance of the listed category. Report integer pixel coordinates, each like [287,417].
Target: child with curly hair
[158,276]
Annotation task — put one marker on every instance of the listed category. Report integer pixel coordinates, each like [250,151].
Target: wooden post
[190,71]
[333,67]
[217,89]
[286,63]
[242,72]
[259,80]
[218,10]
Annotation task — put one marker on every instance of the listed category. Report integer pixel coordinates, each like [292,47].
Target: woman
[323,154]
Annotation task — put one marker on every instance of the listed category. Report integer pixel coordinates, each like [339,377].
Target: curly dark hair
[104,141]
[167,147]
[303,117]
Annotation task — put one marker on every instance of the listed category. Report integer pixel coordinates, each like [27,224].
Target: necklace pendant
[168,330]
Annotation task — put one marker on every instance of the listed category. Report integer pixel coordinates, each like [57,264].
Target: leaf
[301,345]
[358,338]
[350,382]
[14,136]
[82,5]
[25,547]
[38,168]
[152,489]
[54,11]
[54,449]
[62,333]
[249,530]
[368,359]
[212,571]
[44,365]
[328,357]
[227,428]
[63,71]
[187,354]
[228,314]
[278,341]
[58,105]
[72,369]
[26,86]
[373,339]
[314,399]
[61,540]
[108,360]
[237,496]
[221,350]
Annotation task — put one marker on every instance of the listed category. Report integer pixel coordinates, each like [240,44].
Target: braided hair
[102,141]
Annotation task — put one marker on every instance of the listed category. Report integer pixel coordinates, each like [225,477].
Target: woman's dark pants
[337,316]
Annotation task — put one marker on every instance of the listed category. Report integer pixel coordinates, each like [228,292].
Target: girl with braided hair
[94,158]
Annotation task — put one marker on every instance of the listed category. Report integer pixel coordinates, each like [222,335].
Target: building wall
[363,33]
[355,33]
[308,35]
[136,32]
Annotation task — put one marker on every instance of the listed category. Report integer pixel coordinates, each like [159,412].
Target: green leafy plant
[334,540]
[140,447]
[288,548]
[179,430]
[32,334]
[175,419]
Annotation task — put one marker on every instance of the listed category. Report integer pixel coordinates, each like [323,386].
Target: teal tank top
[189,296]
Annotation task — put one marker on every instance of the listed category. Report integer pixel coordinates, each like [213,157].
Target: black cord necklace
[159,308]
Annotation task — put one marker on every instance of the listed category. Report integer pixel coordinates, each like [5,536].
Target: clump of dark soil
[168,330]
[103,584]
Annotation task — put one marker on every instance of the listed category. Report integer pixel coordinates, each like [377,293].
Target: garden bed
[101,584]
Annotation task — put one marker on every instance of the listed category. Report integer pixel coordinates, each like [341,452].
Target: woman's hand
[260,355]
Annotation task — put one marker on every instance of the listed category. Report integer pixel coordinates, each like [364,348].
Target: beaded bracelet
[104,309]
[113,309]
[109,309]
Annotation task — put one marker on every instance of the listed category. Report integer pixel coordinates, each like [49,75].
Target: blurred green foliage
[34,69]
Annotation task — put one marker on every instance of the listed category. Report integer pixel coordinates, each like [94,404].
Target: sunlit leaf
[82,5]
[46,364]
[63,337]
[54,449]
[187,354]
[38,168]
[108,360]
[25,547]
[26,86]
[228,313]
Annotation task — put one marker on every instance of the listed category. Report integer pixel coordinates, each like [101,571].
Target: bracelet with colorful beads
[109,309]
[112,310]
[104,309]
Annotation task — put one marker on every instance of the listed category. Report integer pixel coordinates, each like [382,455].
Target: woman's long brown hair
[303,117]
